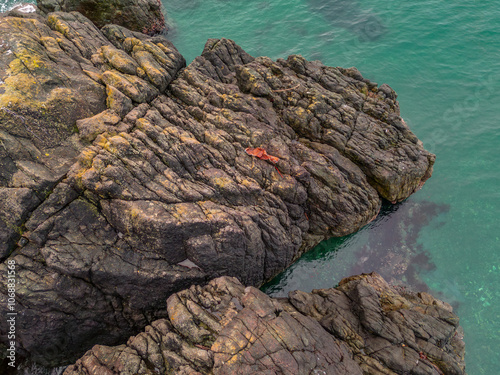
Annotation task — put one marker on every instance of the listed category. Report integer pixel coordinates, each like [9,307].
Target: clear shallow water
[443,59]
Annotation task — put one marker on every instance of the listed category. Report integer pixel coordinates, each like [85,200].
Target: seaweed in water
[393,250]
[349,15]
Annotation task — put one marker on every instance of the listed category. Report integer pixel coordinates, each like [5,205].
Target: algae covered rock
[364,326]
[127,176]
[144,16]
[43,91]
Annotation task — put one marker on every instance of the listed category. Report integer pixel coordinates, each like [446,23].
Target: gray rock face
[138,15]
[364,326]
[126,177]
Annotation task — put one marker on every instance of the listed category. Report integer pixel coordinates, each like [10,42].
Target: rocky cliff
[137,15]
[363,326]
[126,176]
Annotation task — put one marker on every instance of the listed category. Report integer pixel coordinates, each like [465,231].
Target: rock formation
[124,176]
[137,15]
[363,326]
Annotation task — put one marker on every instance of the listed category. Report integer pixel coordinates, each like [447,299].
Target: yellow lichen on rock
[119,60]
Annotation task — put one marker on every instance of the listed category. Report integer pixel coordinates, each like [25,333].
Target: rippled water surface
[443,59]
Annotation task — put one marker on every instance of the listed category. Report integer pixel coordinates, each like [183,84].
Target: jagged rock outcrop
[124,177]
[364,326]
[137,15]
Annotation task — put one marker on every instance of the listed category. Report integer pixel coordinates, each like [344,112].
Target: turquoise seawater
[6,5]
[443,59]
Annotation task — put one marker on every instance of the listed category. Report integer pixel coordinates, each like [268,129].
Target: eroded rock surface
[364,326]
[124,176]
[138,15]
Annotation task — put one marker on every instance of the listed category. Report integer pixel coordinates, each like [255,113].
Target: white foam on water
[28,8]
[6,6]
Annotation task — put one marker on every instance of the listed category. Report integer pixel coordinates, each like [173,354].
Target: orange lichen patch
[260,153]
[86,157]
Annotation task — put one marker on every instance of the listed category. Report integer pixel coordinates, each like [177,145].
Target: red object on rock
[260,153]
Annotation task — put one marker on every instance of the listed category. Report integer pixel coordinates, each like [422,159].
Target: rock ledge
[364,326]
